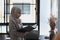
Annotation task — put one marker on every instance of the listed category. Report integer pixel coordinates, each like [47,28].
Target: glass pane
[23,1]
[44,16]
[7,28]
[55,8]
[26,9]
[1,11]
[7,18]
[30,1]
[2,29]
[15,1]
[31,17]
[7,8]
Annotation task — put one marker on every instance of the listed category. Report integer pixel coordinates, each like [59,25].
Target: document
[28,28]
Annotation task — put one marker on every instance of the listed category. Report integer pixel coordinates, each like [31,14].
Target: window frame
[37,15]
[23,14]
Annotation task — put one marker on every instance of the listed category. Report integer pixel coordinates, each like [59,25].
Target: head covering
[15,11]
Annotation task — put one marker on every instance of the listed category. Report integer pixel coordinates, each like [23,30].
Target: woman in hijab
[14,18]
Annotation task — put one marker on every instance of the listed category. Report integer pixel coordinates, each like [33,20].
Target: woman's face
[18,13]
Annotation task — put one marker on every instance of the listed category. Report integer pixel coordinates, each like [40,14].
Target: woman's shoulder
[11,18]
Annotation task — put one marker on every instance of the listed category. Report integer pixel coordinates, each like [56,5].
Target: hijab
[14,12]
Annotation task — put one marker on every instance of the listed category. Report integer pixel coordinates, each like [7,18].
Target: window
[47,7]
[2,17]
[27,7]
[44,15]
[28,12]
[55,8]
[24,8]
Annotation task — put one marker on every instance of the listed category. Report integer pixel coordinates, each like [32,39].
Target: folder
[27,29]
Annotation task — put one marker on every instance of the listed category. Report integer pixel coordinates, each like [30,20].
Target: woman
[14,23]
